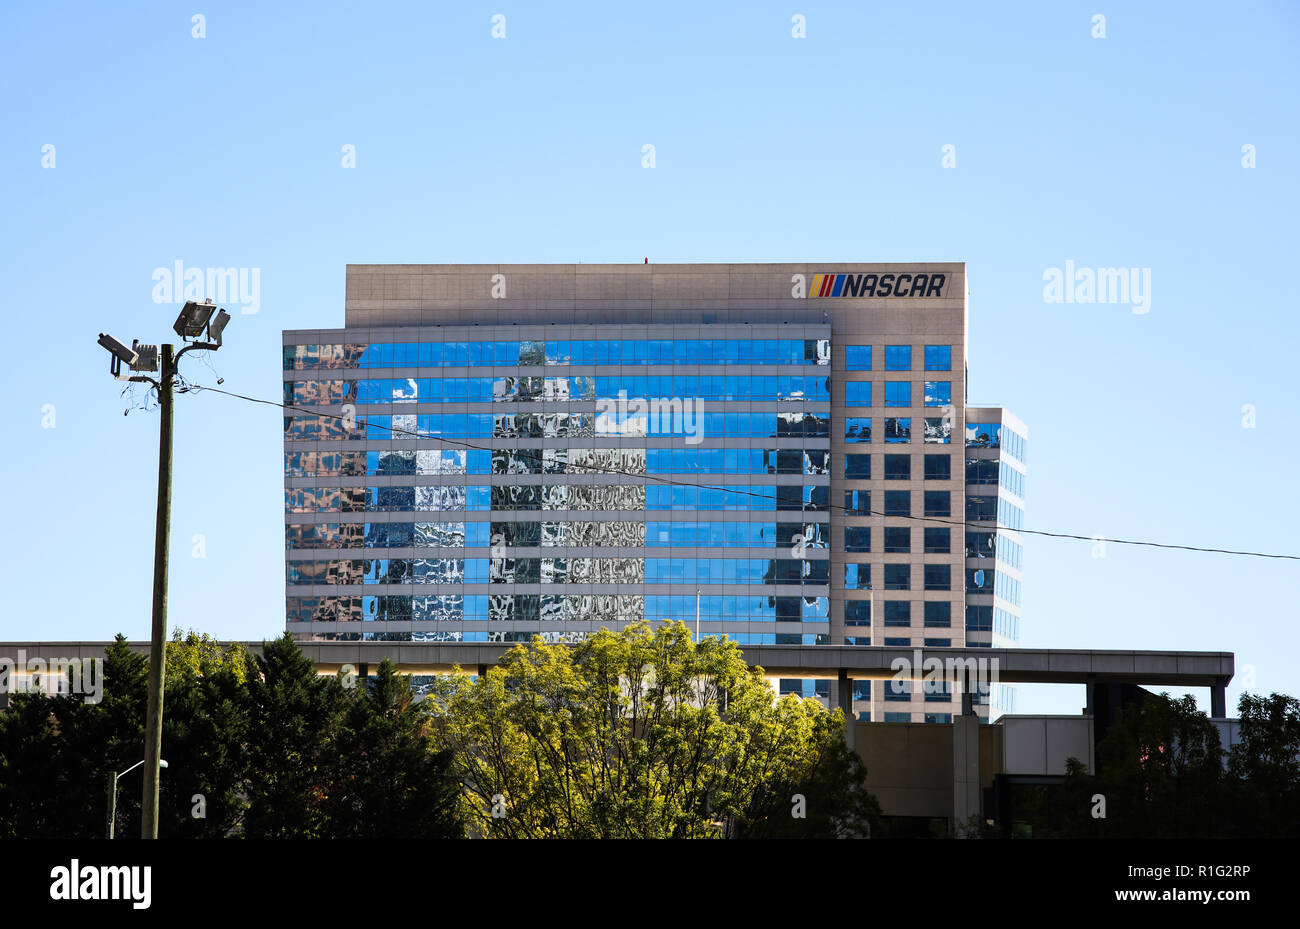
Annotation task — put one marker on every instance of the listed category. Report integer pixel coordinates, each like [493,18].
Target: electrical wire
[536,454]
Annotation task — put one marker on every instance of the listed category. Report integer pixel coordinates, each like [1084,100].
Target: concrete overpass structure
[1091,667]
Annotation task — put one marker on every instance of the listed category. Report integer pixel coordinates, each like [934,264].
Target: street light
[112,793]
[218,324]
[195,321]
[119,351]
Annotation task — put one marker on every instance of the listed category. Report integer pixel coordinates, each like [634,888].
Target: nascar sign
[877,285]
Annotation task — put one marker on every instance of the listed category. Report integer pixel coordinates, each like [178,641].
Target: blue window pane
[898,503]
[857,429]
[858,393]
[898,612]
[857,538]
[898,393]
[898,429]
[857,357]
[857,467]
[898,358]
[938,393]
[938,358]
[938,613]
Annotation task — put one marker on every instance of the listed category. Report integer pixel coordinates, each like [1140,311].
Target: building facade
[779,453]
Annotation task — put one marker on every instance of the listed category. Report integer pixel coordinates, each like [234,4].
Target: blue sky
[225,151]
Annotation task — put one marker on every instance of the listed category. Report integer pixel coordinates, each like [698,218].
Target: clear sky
[226,151]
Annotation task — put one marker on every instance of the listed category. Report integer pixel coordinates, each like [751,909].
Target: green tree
[389,779]
[205,736]
[1265,766]
[1160,770]
[641,734]
[293,716]
[57,754]
[31,770]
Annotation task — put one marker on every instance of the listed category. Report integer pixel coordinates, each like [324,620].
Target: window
[788,460]
[857,393]
[857,467]
[938,393]
[857,429]
[937,541]
[938,614]
[898,612]
[857,502]
[898,467]
[938,643]
[857,576]
[898,358]
[857,612]
[981,544]
[979,618]
[898,429]
[811,689]
[862,690]
[978,508]
[937,691]
[900,691]
[938,430]
[858,538]
[941,718]
[983,435]
[938,577]
[898,577]
[898,539]
[857,358]
[938,503]
[897,717]
[938,468]
[898,503]
[938,358]
[897,393]
[981,470]
[1012,479]
[901,641]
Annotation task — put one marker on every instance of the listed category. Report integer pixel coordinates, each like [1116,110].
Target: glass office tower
[488,453]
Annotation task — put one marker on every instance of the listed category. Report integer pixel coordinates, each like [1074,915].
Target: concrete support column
[967,684]
[965,770]
[965,757]
[1219,698]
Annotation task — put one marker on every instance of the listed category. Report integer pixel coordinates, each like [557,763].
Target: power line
[535,454]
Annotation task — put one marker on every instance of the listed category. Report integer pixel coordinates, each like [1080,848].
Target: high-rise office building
[783,451]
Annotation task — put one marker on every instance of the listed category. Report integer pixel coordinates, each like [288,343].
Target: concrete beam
[857,662]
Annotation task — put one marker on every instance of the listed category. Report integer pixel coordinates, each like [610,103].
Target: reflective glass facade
[492,489]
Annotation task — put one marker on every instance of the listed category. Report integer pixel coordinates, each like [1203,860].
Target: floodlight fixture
[217,326]
[147,357]
[119,351]
[194,318]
